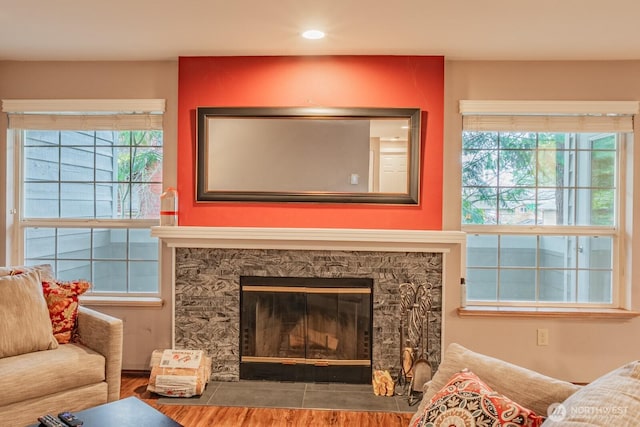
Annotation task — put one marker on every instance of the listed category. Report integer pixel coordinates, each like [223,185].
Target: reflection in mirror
[304,154]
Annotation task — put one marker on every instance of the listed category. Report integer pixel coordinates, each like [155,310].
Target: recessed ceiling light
[313,34]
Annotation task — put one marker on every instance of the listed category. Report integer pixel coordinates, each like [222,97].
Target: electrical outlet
[543,336]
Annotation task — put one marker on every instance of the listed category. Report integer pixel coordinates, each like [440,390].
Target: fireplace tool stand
[415,369]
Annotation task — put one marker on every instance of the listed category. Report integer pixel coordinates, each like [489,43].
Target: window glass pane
[74,270]
[517,168]
[93,175]
[88,157]
[143,276]
[595,252]
[76,164]
[517,285]
[101,254]
[77,200]
[123,159]
[553,141]
[574,183]
[594,286]
[539,179]
[482,251]
[40,244]
[487,140]
[517,140]
[142,246]
[557,285]
[105,167]
[555,206]
[595,141]
[550,168]
[41,164]
[145,200]
[41,200]
[479,205]
[482,284]
[76,138]
[109,276]
[518,251]
[557,252]
[602,207]
[107,137]
[595,207]
[74,243]
[603,169]
[517,206]
[110,243]
[42,138]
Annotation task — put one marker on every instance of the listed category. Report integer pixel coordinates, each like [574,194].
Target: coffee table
[129,412]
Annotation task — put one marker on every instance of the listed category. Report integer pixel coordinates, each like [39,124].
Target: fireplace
[209,262]
[312,329]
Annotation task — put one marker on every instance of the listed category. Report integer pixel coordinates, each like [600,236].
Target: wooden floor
[205,416]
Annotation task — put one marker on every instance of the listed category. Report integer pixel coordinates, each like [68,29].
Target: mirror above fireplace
[335,155]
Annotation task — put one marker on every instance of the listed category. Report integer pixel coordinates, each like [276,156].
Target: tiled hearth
[209,263]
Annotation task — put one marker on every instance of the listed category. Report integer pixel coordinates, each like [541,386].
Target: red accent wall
[306,81]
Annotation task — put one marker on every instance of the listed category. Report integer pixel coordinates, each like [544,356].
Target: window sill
[547,312]
[114,301]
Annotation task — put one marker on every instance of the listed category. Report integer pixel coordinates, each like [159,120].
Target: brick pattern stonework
[207,296]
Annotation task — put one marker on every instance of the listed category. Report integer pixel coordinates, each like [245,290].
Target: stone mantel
[309,238]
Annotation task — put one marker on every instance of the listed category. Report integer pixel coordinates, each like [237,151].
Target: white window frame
[73,114]
[570,116]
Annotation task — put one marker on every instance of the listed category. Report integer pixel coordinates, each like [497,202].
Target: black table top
[129,412]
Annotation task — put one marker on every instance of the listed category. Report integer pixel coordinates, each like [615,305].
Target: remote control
[69,419]
[50,421]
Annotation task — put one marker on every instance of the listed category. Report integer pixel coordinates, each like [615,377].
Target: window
[541,206]
[88,191]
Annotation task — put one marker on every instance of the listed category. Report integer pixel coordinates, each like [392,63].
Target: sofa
[41,373]
[470,388]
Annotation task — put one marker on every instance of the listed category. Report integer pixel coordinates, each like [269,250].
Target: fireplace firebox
[306,329]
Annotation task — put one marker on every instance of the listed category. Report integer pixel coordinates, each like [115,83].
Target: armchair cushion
[611,400]
[503,377]
[24,318]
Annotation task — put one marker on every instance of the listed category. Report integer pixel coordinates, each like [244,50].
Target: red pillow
[62,300]
[466,400]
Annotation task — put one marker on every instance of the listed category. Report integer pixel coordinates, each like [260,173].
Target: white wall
[579,349]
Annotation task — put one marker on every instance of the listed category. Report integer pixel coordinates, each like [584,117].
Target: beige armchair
[71,377]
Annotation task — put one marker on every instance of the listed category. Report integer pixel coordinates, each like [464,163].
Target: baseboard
[135,373]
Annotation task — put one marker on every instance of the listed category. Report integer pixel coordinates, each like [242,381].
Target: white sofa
[611,400]
[58,377]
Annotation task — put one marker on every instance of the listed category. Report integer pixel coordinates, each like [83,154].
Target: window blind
[548,123]
[110,114]
[85,121]
[548,116]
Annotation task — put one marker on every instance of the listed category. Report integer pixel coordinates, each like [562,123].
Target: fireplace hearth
[310,329]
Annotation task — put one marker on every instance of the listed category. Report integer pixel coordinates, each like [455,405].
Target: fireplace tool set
[415,369]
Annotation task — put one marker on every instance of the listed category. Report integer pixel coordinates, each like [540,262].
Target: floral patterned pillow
[467,401]
[62,300]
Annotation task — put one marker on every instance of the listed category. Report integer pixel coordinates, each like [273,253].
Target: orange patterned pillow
[467,401]
[62,300]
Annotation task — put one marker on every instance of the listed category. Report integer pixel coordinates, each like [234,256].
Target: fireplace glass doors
[306,329]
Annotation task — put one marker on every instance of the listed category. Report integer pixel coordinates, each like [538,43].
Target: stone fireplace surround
[208,263]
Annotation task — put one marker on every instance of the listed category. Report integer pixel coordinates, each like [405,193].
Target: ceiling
[457,29]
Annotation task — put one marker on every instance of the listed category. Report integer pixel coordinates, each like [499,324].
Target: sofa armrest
[103,334]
